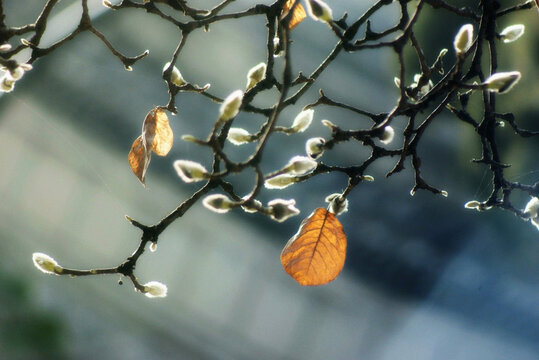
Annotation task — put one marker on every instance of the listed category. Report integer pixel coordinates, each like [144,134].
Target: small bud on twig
[190,171]
[175,76]
[155,289]
[299,165]
[337,204]
[502,82]
[45,263]
[279,181]
[387,135]
[512,33]
[319,11]
[218,203]
[315,147]
[302,121]
[239,136]
[255,75]
[463,40]
[280,209]
[231,106]
[532,210]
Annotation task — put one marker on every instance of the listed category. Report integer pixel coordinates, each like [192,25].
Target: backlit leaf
[316,254]
[157,131]
[139,158]
[297,16]
[156,136]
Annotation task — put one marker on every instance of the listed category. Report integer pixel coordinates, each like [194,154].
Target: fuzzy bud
[337,204]
[474,204]
[153,247]
[45,263]
[190,171]
[279,181]
[502,82]
[239,136]
[463,40]
[532,208]
[314,147]
[329,125]
[388,135]
[299,165]
[175,76]
[319,11]
[7,84]
[190,138]
[231,105]
[479,206]
[302,121]
[512,33]
[17,73]
[155,289]
[5,47]
[280,209]
[255,75]
[218,203]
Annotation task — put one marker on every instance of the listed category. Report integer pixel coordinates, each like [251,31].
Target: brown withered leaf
[297,16]
[156,136]
[139,158]
[157,132]
[316,254]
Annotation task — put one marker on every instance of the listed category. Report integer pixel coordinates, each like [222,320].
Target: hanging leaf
[139,158]
[157,132]
[156,136]
[316,254]
[297,16]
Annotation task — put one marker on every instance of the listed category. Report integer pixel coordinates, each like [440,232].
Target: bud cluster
[11,75]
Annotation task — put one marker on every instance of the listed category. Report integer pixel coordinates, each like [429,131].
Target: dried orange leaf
[139,158]
[157,133]
[297,16]
[156,136]
[316,254]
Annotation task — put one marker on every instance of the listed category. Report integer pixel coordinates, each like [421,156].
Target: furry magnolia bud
[190,171]
[388,135]
[255,75]
[474,204]
[532,210]
[218,203]
[502,82]
[7,84]
[231,105]
[155,289]
[463,40]
[319,11]
[175,76]
[280,181]
[45,263]
[5,47]
[280,209]
[239,136]
[315,147]
[302,121]
[512,33]
[337,204]
[299,165]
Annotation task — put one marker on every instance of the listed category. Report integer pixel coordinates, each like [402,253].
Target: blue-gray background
[424,278]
